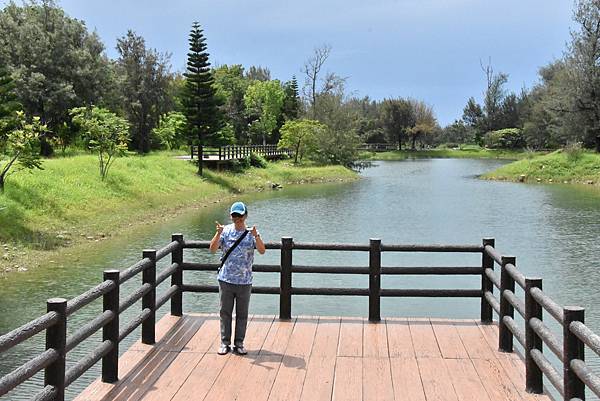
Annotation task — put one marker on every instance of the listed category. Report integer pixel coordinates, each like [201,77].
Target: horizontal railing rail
[570,380]
[318,246]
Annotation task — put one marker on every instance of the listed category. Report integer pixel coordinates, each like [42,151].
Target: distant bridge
[237,152]
[378,147]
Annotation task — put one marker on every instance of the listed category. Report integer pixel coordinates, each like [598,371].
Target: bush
[240,165]
[573,151]
[258,161]
[508,138]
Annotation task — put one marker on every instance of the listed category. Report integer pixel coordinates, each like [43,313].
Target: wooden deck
[320,358]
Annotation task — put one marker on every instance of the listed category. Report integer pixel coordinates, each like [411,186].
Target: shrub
[240,165]
[508,138]
[258,161]
[573,151]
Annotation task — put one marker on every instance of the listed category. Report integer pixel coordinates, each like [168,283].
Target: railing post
[285,294]
[110,332]
[56,338]
[533,374]
[149,300]
[486,284]
[177,277]
[220,152]
[506,309]
[375,280]
[573,348]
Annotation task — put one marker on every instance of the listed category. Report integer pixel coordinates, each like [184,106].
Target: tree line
[56,74]
[68,93]
[562,109]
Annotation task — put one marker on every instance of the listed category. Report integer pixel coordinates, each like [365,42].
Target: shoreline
[468,153]
[558,167]
[523,179]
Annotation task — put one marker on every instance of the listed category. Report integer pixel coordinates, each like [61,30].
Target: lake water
[553,230]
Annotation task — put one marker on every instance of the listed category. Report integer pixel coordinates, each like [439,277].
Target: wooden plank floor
[320,358]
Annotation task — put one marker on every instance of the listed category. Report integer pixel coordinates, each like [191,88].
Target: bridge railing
[234,152]
[378,147]
[575,378]
[54,323]
[287,268]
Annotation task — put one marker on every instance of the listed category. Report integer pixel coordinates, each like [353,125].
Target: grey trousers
[241,294]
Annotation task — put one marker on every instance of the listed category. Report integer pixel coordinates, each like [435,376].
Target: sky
[430,50]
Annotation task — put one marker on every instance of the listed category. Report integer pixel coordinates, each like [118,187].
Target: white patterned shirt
[238,266]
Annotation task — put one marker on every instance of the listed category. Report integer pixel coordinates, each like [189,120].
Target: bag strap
[235,244]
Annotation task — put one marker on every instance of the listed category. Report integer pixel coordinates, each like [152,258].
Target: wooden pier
[320,358]
[312,358]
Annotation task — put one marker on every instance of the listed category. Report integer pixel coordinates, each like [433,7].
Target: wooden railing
[570,350]
[286,269]
[576,375]
[234,152]
[56,377]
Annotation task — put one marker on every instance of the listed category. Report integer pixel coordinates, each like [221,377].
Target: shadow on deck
[319,358]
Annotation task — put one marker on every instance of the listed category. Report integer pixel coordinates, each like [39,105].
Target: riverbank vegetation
[571,165]
[68,203]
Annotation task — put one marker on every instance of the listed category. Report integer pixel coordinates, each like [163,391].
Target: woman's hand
[260,245]
[214,243]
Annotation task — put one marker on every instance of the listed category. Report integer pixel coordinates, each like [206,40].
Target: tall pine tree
[290,109]
[291,103]
[200,105]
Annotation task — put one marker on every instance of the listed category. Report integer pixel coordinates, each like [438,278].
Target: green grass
[283,173]
[67,201]
[68,195]
[558,166]
[465,152]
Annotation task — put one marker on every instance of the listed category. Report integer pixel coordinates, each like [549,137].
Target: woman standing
[237,244]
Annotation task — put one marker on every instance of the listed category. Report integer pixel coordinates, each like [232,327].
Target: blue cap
[239,208]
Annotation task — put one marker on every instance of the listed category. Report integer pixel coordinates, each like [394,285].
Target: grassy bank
[463,153]
[67,204]
[559,166]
